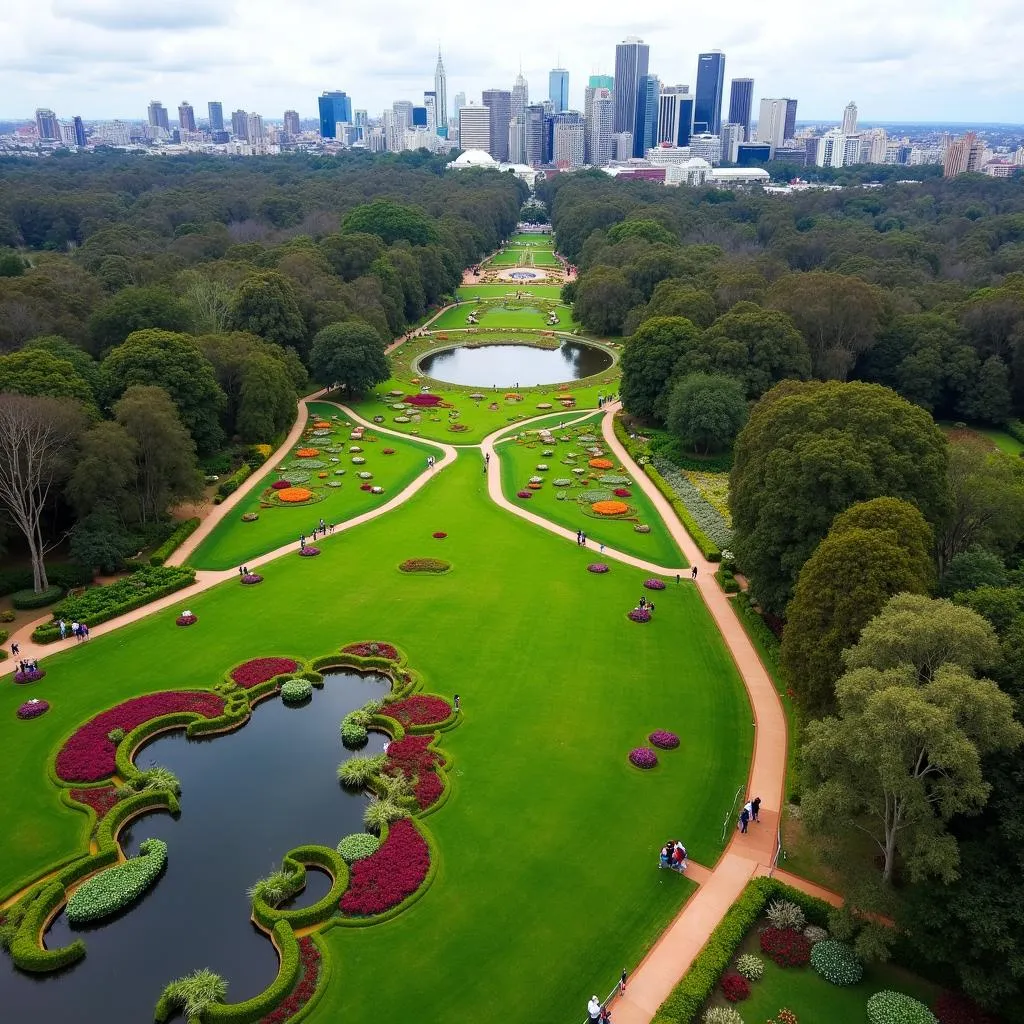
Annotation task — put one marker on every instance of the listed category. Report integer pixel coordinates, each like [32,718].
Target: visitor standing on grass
[458,704]
[744,819]
[594,1008]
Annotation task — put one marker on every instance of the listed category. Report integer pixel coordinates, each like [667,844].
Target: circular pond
[505,366]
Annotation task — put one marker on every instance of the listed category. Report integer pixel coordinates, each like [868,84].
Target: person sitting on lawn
[665,860]
[679,861]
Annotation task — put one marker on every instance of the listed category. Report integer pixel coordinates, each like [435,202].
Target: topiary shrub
[117,887]
[750,966]
[295,691]
[26,600]
[887,1007]
[836,962]
[357,846]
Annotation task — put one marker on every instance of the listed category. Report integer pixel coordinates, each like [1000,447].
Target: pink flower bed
[33,675]
[186,620]
[439,535]
[419,710]
[425,401]
[33,709]
[654,584]
[640,615]
[382,880]
[101,800]
[524,494]
[372,649]
[308,551]
[621,492]
[597,567]
[413,757]
[280,485]
[309,956]
[88,756]
[250,579]
[259,670]
[643,757]
[664,739]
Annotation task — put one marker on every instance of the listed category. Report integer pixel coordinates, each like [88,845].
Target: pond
[505,366]
[246,799]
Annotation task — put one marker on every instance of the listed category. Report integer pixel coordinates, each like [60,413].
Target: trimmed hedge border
[690,994]
[176,539]
[233,482]
[29,600]
[294,861]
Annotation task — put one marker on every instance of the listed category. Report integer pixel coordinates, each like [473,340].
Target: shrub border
[176,539]
[265,916]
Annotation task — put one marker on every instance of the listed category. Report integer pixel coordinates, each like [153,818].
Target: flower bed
[887,1007]
[308,551]
[387,451]
[954,1008]
[622,492]
[524,494]
[280,485]
[260,670]
[381,881]
[664,739]
[601,464]
[187,619]
[598,567]
[88,755]
[643,757]
[424,400]
[250,517]
[307,453]
[427,565]
[117,887]
[419,709]
[640,615]
[836,962]
[372,649]
[101,799]
[294,495]
[439,535]
[734,987]
[412,756]
[786,946]
[250,579]
[654,584]
[32,675]
[610,508]
[295,691]
[641,528]
[309,962]
[704,514]
[33,709]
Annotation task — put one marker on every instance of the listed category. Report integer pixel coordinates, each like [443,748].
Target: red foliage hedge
[259,670]
[309,955]
[382,880]
[787,947]
[419,709]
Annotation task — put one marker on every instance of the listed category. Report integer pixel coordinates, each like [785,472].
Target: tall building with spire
[441,96]
[520,96]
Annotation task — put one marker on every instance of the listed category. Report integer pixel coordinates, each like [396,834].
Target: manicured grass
[519,461]
[509,258]
[467,293]
[548,881]
[1003,441]
[525,238]
[530,318]
[544,258]
[234,542]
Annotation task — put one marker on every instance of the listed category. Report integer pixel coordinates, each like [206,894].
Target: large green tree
[706,411]
[35,372]
[175,363]
[648,361]
[350,356]
[603,298]
[105,472]
[873,550]
[351,255]
[266,406]
[811,450]
[135,309]
[391,222]
[266,304]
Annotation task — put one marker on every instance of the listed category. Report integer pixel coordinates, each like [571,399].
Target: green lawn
[234,542]
[545,258]
[525,238]
[1003,441]
[528,318]
[509,258]
[519,461]
[490,291]
[548,882]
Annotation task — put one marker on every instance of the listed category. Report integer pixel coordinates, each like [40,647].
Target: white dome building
[473,158]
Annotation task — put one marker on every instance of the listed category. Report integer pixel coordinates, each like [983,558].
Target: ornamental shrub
[357,771]
[175,540]
[26,600]
[836,962]
[295,691]
[734,987]
[380,813]
[887,1007]
[98,604]
[785,914]
[788,948]
[357,846]
[195,993]
[353,734]
[722,1015]
[815,934]
[750,966]
[117,887]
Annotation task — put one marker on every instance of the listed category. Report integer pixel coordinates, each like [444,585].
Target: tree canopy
[648,362]
[349,356]
[706,411]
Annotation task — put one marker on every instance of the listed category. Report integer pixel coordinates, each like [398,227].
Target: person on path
[594,1008]
[323,527]
[755,808]
[16,650]
[583,539]
[622,981]
[602,548]
[75,631]
[693,573]
[744,819]
[579,537]
[241,570]
[63,627]
[748,807]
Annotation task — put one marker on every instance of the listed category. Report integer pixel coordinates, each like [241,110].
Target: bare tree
[37,438]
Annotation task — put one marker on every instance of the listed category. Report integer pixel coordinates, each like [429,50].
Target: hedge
[295,861]
[27,600]
[26,952]
[727,581]
[234,481]
[66,576]
[119,886]
[692,992]
[708,548]
[1015,428]
[175,540]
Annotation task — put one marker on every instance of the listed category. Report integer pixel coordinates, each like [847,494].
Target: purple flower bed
[654,584]
[33,709]
[250,579]
[186,620]
[640,615]
[643,757]
[597,567]
[309,551]
[524,494]
[31,676]
[664,739]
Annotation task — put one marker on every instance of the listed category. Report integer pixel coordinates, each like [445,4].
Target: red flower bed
[382,880]
[622,492]
[734,987]
[88,755]
[372,650]
[413,757]
[309,957]
[101,800]
[426,401]
[439,535]
[259,670]
[953,1008]
[280,485]
[387,451]
[524,494]
[787,947]
[419,710]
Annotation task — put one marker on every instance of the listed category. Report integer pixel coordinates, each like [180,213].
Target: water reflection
[503,366]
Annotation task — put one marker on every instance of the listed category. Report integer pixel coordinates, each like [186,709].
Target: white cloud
[920,59]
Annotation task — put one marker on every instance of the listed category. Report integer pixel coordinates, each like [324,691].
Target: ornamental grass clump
[356,772]
[117,887]
[664,739]
[194,993]
[785,914]
[295,691]
[887,1007]
[721,1015]
[275,888]
[836,962]
[750,966]
[382,812]
[643,757]
[358,846]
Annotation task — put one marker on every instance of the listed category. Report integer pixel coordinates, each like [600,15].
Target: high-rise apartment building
[46,125]
[568,145]
[517,140]
[79,131]
[430,102]
[878,146]
[535,134]
[499,102]
[771,122]
[707,146]
[292,125]
[441,92]
[335,108]
[598,117]
[240,125]
[850,118]
[707,107]
[460,102]
[675,115]
[623,146]
[66,133]
[645,126]
[831,148]
[215,111]
[631,61]
[401,112]
[558,89]
[158,116]
[475,127]
[963,155]
[741,101]
[733,136]
[790,129]
[186,116]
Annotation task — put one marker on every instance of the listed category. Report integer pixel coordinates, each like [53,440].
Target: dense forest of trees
[163,312]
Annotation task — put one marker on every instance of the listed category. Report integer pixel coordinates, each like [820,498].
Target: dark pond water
[247,798]
[503,366]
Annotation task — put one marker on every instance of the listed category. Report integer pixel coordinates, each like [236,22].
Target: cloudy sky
[950,60]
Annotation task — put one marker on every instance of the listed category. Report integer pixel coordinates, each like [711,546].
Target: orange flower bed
[610,508]
[513,397]
[322,476]
[295,494]
[601,464]
[534,487]
[322,425]
[308,453]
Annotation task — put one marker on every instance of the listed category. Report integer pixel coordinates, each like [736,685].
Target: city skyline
[108,58]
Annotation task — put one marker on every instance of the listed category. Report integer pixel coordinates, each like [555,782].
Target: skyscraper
[520,96]
[771,122]
[460,102]
[850,118]
[186,116]
[240,125]
[430,102]
[790,130]
[601,82]
[475,128]
[631,59]
[335,108]
[79,131]
[441,92]
[535,134]
[675,115]
[558,89]
[158,115]
[254,133]
[499,102]
[568,144]
[707,106]
[216,113]
[291,122]
[645,127]
[46,125]
[402,114]
[517,140]
[741,99]
[732,136]
[599,117]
